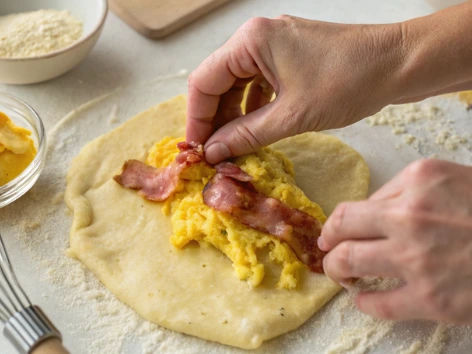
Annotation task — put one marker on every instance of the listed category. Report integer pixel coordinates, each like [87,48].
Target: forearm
[437,52]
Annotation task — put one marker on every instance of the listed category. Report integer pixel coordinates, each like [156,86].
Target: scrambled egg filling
[16,149]
[192,220]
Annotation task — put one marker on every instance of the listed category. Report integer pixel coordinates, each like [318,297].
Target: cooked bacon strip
[300,230]
[158,184]
[189,152]
[232,170]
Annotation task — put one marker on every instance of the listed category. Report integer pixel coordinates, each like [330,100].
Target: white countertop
[122,57]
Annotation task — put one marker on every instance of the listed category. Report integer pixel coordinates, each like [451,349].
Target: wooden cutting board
[159,18]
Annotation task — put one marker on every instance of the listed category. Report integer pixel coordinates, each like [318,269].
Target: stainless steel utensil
[25,325]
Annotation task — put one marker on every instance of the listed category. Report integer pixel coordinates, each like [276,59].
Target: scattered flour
[361,333]
[409,139]
[414,348]
[437,341]
[425,126]
[103,324]
[30,225]
[360,340]
[30,34]
[435,344]
[450,140]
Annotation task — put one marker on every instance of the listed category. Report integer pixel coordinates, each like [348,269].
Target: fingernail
[320,242]
[216,152]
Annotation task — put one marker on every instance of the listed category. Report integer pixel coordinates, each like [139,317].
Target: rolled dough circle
[124,239]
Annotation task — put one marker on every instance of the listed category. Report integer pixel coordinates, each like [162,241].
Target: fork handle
[50,346]
[30,329]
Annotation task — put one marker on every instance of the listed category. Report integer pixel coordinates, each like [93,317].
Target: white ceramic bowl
[44,67]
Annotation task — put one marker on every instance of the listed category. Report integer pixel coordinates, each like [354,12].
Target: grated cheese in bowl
[31,34]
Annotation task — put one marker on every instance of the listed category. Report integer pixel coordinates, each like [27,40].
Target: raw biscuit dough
[124,239]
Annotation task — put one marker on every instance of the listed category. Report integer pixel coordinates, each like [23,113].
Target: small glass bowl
[24,116]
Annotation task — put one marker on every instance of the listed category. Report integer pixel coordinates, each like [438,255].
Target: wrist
[436,52]
[387,62]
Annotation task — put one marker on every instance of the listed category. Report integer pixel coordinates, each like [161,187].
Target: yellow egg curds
[192,220]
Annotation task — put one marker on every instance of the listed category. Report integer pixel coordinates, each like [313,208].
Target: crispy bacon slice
[232,170]
[158,184]
[299,229]
[189,153]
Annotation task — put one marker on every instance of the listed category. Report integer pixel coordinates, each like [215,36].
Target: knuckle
[337,217]
[284,17]
[289,21]
[416,223]
[344,258]
[254,36]
[416,229]
[417,204]
[409,219]
[256,25]
[425,169]
[336,263]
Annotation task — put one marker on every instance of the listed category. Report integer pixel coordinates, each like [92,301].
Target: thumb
[252,131]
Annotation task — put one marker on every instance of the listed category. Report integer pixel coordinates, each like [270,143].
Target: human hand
[418,228]
[325,75]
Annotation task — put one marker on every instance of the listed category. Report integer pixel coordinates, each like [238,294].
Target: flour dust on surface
[100,323]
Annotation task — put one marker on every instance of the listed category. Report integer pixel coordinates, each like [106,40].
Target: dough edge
[96,244]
